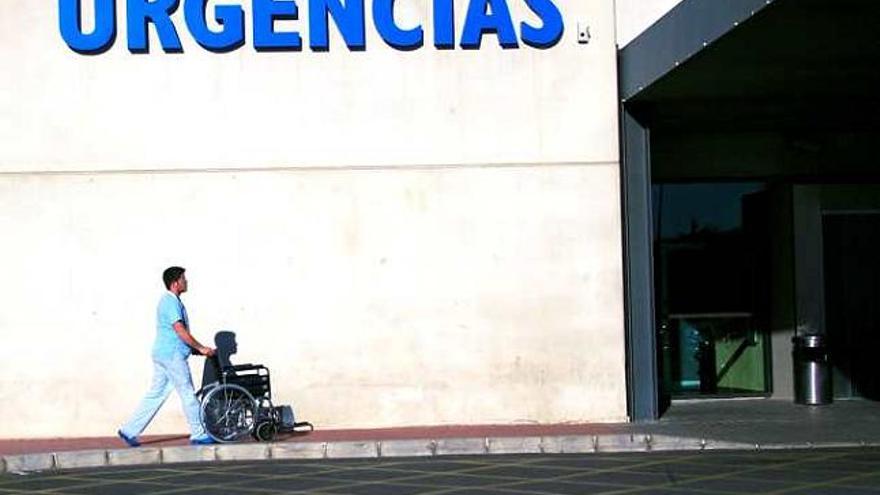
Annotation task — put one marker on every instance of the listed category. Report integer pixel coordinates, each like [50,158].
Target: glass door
[711,251]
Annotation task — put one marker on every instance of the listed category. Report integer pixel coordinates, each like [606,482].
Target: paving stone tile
[622,443]
[81,459]
[461,446]
[407,448]
[242,452]
[299,450]
[551,445]
[663,443]
[130,457]
[352,450]
[172,455]
[29,462]
[578,444]
[725,445]
[520,445]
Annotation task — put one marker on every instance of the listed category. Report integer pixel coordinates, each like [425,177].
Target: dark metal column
[641,366]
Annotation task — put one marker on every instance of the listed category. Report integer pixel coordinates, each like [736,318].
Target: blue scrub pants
[168,373]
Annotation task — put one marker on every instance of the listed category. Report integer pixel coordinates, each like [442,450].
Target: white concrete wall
[636,16]
[382,107]
[404,238]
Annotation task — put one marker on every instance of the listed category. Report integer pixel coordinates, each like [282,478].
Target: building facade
[404,236]
[420,212]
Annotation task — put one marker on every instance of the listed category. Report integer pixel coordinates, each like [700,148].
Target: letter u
[99,40]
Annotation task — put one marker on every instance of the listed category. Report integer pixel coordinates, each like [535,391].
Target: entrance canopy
[744,90]
[757,65]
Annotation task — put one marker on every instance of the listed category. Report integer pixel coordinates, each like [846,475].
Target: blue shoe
[202,441]
[131,441]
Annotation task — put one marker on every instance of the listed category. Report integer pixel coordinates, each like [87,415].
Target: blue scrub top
[169,312]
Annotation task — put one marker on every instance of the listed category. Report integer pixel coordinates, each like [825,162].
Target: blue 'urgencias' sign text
[483,17]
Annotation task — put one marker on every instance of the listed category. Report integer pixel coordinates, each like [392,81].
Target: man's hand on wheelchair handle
[183,332]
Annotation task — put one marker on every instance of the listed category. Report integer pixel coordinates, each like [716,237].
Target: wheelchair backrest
[226,346]
[254,378]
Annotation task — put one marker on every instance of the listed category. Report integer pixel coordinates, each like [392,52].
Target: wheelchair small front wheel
[265,431]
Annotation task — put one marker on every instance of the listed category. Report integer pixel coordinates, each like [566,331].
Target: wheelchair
[236,400]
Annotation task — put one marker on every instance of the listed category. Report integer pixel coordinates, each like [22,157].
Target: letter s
[551,32]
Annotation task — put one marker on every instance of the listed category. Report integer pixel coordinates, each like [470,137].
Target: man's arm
[183,332]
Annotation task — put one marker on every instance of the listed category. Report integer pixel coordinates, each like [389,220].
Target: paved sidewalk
[853,471]
[698,425]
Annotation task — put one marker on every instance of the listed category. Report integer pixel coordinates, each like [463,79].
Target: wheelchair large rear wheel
[228,413]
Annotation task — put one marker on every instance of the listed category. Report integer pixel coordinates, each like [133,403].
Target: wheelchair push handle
[206,351]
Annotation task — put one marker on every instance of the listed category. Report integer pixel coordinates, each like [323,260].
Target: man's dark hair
[171,274]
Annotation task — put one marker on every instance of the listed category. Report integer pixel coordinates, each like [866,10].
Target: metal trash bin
[812,370]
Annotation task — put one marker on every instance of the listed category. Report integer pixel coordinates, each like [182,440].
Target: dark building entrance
[750,135]
[851,242]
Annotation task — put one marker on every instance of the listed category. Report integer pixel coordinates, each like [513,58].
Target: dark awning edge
[688,28]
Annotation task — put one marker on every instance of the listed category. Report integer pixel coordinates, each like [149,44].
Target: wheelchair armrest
[243,367]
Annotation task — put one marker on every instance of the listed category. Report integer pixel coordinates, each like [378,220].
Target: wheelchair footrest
[303,424]
[287,421]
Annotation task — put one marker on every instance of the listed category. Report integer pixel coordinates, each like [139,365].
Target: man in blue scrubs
[173,345]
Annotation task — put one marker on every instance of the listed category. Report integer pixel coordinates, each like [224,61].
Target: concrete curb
[577,444]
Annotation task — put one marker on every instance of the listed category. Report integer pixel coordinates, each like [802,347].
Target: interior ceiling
[795,64]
